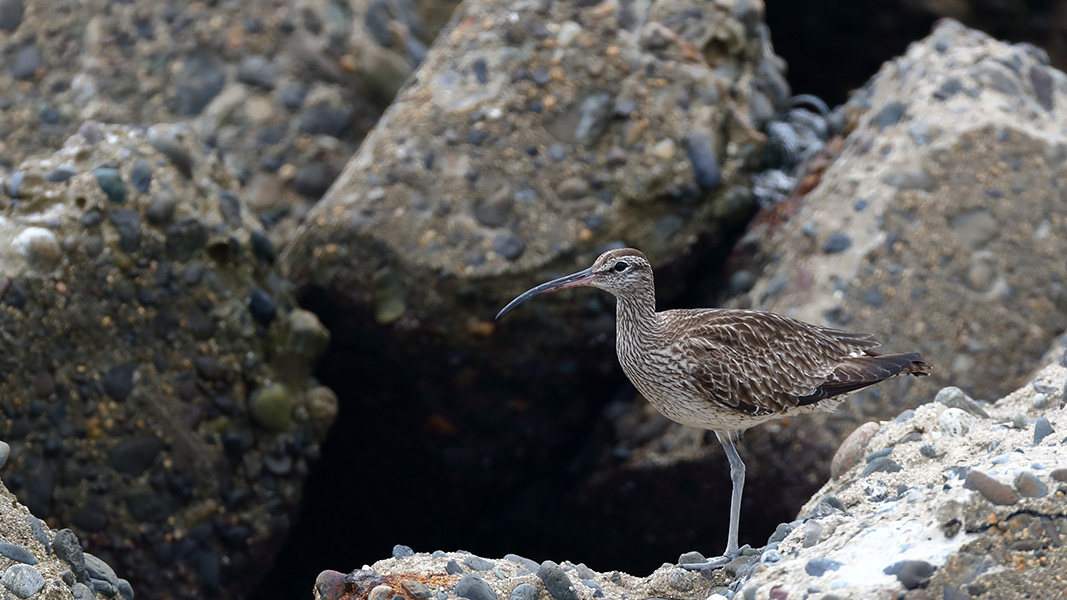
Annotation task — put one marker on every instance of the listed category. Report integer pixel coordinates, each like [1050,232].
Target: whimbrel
[727,369]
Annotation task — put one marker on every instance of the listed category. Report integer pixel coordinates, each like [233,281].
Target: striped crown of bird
[727,369]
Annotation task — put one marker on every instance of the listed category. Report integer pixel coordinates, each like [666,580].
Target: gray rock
[68,548]
[818,566]
[991,489]
[812,532]
[1042,428]
[477,563]
[22,580]
[10,15]
[911,573]
[954,397]
[1029,485]
[200,80]
[135,456]
[82,592]
[125,589]
[258,71]
[473,587]
[525,591]
[556,581]
[98,569]
[5,451]
[17,553]
[170,146]
[703,160]
[27,61]
[325,119]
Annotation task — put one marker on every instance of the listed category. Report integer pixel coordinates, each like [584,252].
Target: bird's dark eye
[621,266]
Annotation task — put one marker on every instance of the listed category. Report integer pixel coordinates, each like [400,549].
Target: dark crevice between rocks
[435,453]
[834,47]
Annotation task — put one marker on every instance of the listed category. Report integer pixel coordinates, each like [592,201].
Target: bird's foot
[693,561]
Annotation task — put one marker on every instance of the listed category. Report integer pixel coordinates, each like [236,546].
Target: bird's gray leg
[737,479]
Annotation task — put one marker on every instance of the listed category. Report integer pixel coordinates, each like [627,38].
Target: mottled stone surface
[133,355]
[285,91]
[962,200]
[956,513]
[531,139]
[986,181]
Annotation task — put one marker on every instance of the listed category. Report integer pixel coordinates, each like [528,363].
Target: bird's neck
[638,309]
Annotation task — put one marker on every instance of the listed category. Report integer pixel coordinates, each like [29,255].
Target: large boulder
[530,139]
[286,92]
[154,383]
[937,223]
[940,223]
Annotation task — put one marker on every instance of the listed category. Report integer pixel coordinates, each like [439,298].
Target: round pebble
[40,247]
[258,71]
[380,592]
[416,589]
[5,451]
[812,533]
[313,179]
[890,114]
[22,580]
[141,175]
[118,382]
[272,407]
[110,181]
[991,489]
[1029,485]
[929,451]
[680,579]
[509,245]
[175,152]
[954,397]
[818,566]
[572,188]
[837,241]
[473,587]
[911,573]
[10,15]
[525,591]
[850,451]
[1042,428]
[261,305]
[955,421]
[161,209]
[200,80]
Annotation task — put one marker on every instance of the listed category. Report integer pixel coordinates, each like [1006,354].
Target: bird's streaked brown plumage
[728,369]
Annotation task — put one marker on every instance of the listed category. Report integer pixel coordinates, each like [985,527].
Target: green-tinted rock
[272,407]
[308,338]
[110,180]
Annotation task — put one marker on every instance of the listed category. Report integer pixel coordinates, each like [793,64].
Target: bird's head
[622,271]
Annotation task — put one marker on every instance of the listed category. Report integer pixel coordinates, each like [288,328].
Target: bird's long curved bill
[582,277]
